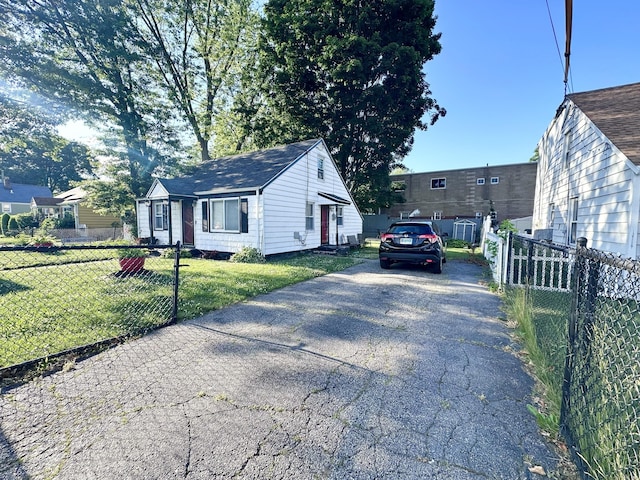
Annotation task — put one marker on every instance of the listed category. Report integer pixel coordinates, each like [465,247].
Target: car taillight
[385,237]
[430,238]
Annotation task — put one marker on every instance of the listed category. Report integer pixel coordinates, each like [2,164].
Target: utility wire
[555,38]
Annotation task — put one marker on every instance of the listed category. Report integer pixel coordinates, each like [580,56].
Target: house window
[438,183]
[478,214]
[404,215]
[340,216]
[225,215]
[309,216]
[551,215]
[205,216]
[494,215]
[6,207]
[495,180]
[479,181]
[566,147]
[321,168]
[160,216]
[573,220]
[437,216]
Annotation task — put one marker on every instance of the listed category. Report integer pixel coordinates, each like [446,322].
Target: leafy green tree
[203,51]
[87,55]
[352,73]
[32,152]
[536,155]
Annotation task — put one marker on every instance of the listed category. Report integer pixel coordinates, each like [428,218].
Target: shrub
[25,221]
[13,224]
[457,243]
[5,223]
[248,255]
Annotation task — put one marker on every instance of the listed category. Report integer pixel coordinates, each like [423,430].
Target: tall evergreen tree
[351,71]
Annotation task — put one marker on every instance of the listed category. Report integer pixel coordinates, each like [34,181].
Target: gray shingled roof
[246,171]
[616,112]
[22,193]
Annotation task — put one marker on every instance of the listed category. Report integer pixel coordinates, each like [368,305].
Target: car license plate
[406,241]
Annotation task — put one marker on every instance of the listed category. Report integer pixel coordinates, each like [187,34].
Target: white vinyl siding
[583,163]
[285,201]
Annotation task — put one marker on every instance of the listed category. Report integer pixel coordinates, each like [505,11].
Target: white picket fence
[544,267]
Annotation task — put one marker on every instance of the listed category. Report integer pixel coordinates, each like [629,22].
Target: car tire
[386,264]
[437,267]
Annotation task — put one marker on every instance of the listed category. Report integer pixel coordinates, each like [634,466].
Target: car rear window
[411,229]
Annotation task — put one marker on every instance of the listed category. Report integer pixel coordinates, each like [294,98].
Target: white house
[282,199]
[588,180]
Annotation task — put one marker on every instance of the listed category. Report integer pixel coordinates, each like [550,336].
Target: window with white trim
[436,215]
[438,183]
[573,220]
[495,180]
[478,214]
[320,168]
[225,215]
[340,216]
[309,216]
[479,181]
[160,216]
[551,215]
[404,215]
[494,215]
[566,147]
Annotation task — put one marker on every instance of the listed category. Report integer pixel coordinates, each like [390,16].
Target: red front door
[324,224]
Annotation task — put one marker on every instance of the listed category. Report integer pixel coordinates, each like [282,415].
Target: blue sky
[500,77]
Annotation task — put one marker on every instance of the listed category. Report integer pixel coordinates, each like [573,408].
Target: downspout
[259,232]
[169,221]
[634,214]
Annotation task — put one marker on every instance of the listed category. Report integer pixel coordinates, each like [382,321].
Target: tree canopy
[352,72]
[32,152]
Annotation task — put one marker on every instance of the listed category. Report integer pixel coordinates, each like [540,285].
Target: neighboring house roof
[616,113]
[246,171]
[45,202]
[72,196]
[22,193]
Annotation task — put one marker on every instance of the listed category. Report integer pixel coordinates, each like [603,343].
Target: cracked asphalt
[362,374]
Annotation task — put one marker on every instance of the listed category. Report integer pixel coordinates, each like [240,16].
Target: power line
[555,38]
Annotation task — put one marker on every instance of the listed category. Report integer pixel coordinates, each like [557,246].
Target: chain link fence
[57,302]
[584,311]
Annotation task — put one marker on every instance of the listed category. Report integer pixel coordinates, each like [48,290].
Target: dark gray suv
[417,242]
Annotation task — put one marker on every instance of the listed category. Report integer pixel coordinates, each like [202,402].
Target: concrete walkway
[363,374]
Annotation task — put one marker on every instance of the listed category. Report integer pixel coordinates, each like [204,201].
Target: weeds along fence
[585,318]
[57,301]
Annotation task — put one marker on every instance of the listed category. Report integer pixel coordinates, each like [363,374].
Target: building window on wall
[340,216]
[479,181]
[436,215]
[321,168]
[438,183]
[566,147]
[404,215]
[160,216]
[478,214]
[6,208]
[551,215]
[495,180]
[225,215]
[309,216]
[494,215]
[573,220]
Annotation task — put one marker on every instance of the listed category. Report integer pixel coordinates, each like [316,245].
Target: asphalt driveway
[362,374]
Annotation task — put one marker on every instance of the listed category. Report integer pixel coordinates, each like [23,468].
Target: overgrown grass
[542,329]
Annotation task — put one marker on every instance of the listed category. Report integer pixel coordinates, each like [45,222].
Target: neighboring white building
[588,180]
[278,200]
